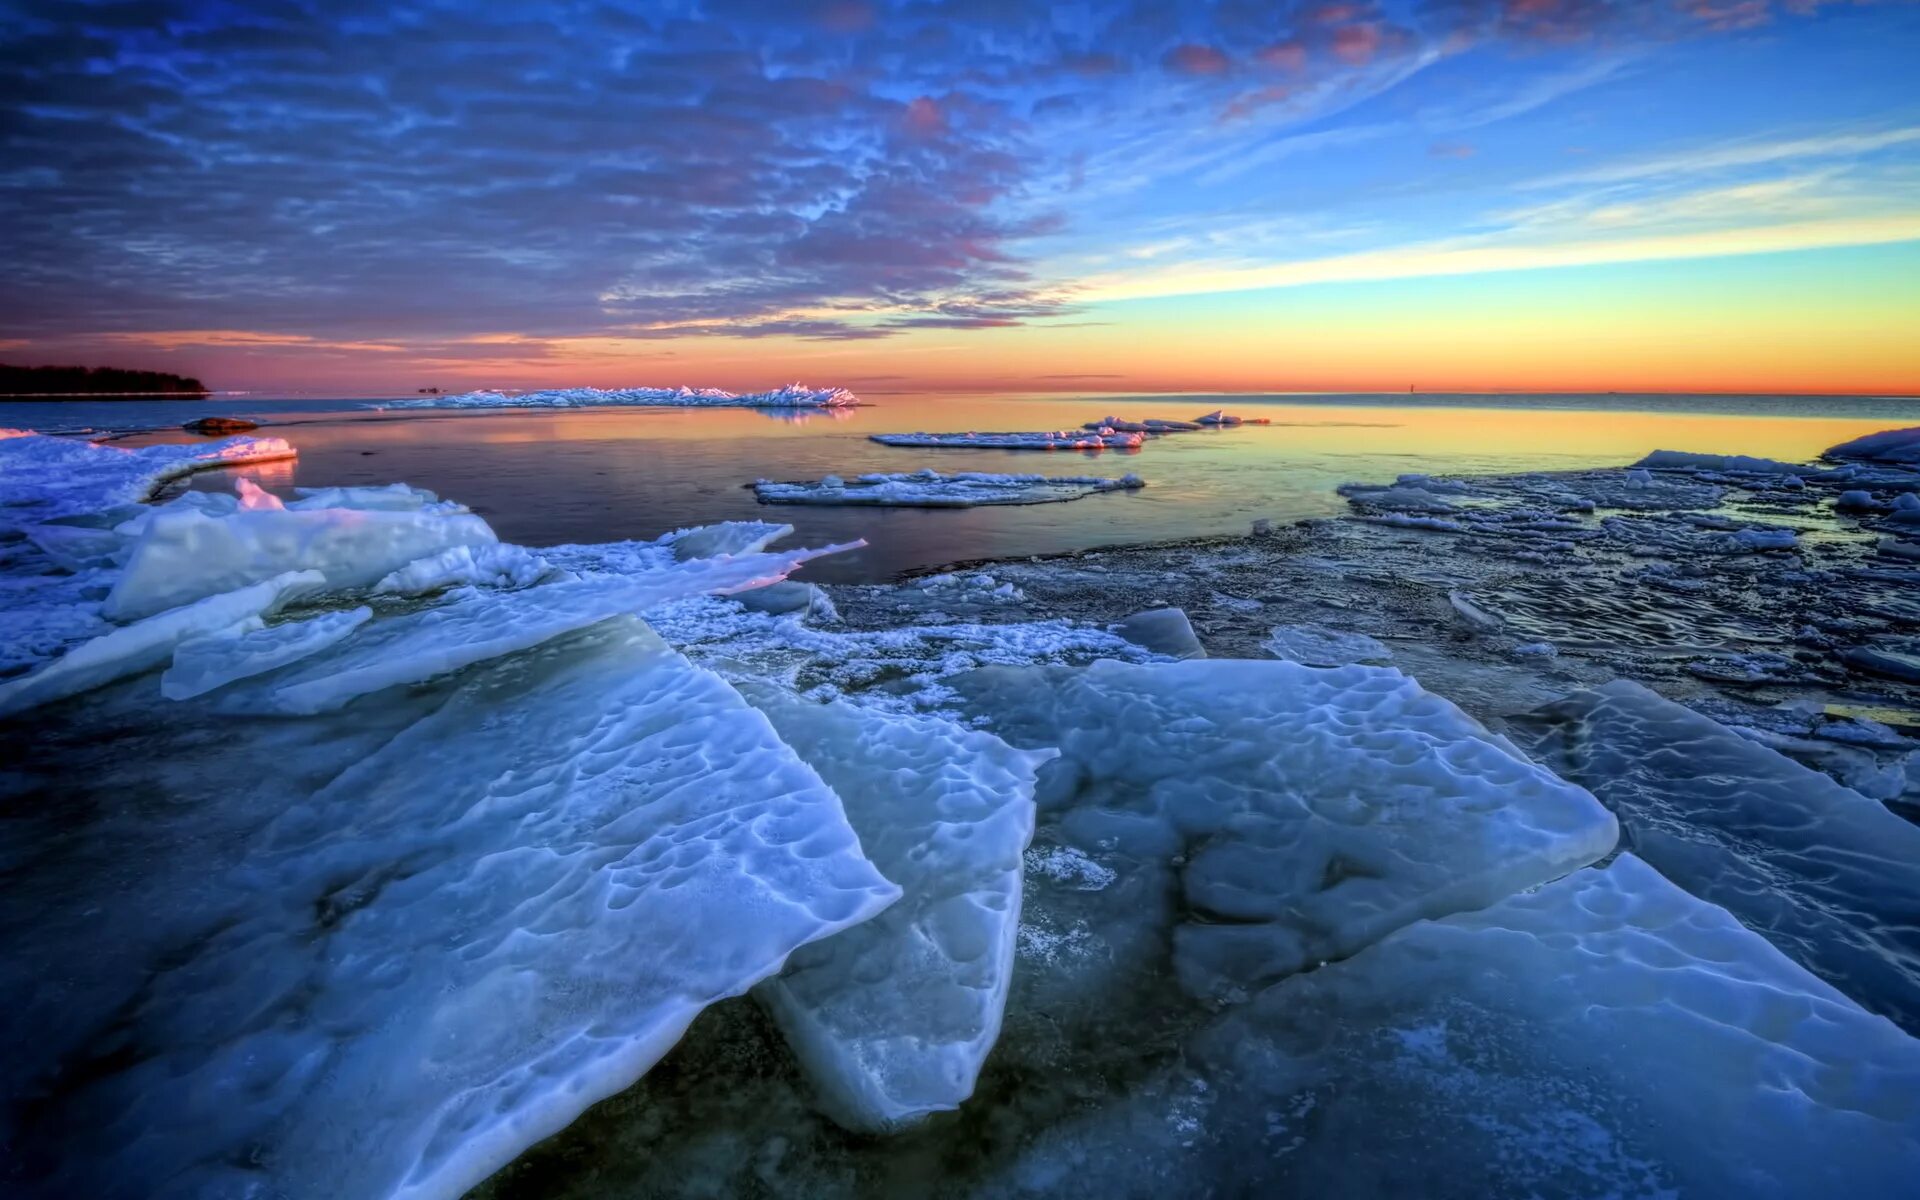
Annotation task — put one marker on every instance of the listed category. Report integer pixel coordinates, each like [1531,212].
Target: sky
[928,196]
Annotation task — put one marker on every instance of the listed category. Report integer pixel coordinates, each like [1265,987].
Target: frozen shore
[358,849]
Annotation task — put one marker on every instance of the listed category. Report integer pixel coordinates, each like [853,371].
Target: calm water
[543,477]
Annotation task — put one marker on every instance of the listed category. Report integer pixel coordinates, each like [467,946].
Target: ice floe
[1061,439]
[1888,446]
[1316,646]
[893,1018]
[932,489]
[1310,812]
[42,478]
[794,395]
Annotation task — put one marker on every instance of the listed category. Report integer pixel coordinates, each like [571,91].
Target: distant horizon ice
[793,395]
[928,488]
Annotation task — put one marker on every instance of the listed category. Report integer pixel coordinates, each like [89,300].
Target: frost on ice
[510,911]
[794,395]
[931,489]
[1829,876]
[1307,812]
[893,1019]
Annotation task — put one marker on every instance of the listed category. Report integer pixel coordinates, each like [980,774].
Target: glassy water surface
[543,477]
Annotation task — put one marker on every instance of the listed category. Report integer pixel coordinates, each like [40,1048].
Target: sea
[544,476]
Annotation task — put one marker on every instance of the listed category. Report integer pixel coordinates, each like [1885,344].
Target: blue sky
[446,184]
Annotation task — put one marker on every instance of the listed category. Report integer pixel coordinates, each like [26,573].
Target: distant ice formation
[1061,439]
[42,478]
[794,395]
[931,489]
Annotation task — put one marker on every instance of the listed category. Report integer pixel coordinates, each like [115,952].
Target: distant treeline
[92,381]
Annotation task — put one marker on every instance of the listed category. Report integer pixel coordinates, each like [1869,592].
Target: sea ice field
[1491,822]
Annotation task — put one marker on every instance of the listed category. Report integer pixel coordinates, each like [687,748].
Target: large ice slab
[1826,874]
[1888,446]
[1607,1035]
[1719,464]
[509,912]
[46,477]
[184,554]
[474,625]
[1060,439]
[794,395]
[1309,812]
[931,489]
[146,644]
[893,1019]
[253,648]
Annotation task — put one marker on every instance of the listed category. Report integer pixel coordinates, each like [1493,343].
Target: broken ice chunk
[893,1019]
[251,648]
[1310,812]
[1319,647]
[146,644]
[508,913]
[1826,874]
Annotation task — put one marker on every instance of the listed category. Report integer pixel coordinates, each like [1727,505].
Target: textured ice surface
[794,395]
[1727,464]
[183,554]
[507,913]
[1888,446]
[496,565]
[1146,425]
[46,477]
[146,644]
[473,625]
[253,648]
[893,1019]
[1310,812]
[1606,1035]
[1164,631]
[1826,874]
[1061,439]
[931,489]
[1316,646]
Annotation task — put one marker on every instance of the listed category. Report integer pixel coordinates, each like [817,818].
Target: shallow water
[543,477]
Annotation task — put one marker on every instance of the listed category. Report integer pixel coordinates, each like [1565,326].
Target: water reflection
[543,477]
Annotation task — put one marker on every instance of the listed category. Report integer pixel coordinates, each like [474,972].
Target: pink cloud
[1289,55]
[1725,15]
[925,118]
[1356,45]
[1192,59]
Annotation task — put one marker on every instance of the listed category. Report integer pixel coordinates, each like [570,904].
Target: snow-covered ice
[510,911]
[42,478]
[472,625]
[184,554]
[494,564]
[1888,446]
[1831,877]
[932,489]
[794,395]
[1062,439]
[893,1019]
[146,644]
[1311,811]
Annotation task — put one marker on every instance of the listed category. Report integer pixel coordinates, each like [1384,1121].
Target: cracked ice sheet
[472,625]
[1826,874]
[42,478]
[894,1018]
[931,489]
[1310,812]
[510,911]
[1606,1035]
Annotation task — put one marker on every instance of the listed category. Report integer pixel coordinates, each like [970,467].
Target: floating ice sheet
[893,1019]
[794,395]
[1311,812]
[253,648]
[1318,647]
[46,477]
[931,489]
[1888,446]
[509,912]
[1826,874]
[1061,439]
